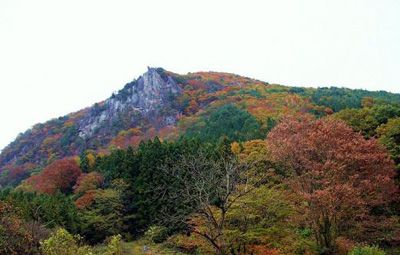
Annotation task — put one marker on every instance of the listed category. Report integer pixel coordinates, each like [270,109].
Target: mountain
[168,105]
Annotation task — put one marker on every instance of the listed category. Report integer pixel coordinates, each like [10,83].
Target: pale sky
[60,56]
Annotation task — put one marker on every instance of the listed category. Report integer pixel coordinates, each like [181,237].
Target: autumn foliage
[86,182]
[61,175]
[229,165]
[14,237]
[341,176]
[86,185]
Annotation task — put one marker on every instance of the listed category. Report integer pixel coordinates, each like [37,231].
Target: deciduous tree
[341,176]
[209,187]
[60,175]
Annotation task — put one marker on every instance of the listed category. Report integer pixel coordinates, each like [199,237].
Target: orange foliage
[168,132]
[263,250]
[193,107]
[86,200]
[235,148]
[126,138]
[344,246]
[86,182]
[60,175]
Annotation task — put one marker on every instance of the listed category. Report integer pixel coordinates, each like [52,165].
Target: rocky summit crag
[141,101]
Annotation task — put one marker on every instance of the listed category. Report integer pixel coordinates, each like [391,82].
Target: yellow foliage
[235,148]
[91,160]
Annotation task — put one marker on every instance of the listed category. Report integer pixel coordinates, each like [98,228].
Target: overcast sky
[60,56]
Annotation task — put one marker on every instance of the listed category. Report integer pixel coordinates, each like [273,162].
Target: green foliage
[69,136]
[52,210]
[389,135]
[367,119]
[149,204]
[341,98]
[367,250]
[229,121]
[265,216]
[84,162]
[63,243]
[361,120]
[145,202]
[118,164]
[104,217]
[156,234]
[114,245]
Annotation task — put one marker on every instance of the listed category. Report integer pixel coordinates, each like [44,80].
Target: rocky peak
[151,90]
[140,99]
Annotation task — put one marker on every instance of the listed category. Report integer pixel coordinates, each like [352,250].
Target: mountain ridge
[165,104]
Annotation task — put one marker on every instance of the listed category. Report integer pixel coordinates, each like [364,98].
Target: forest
[251,169]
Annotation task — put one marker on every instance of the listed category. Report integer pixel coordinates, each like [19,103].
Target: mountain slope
[165,104]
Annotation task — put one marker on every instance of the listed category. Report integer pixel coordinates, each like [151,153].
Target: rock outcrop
[141,100]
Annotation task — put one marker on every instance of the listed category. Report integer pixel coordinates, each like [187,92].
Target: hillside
[164,104]
[208,163]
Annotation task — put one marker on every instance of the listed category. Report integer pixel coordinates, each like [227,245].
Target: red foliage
[341,175]
[60,175]
[18,173]
[15,172]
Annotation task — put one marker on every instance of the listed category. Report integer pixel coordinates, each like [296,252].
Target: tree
[86,182]
[389,135]
[193,107]
[49,210]
[140,171]
[84,162]
[342,177]
[63,243]
[367,119]
[14,235]
[266,217]
[208,187]
[60,175]
[367,250]
[361,120]
[104,216]
[341,98]
[229,121]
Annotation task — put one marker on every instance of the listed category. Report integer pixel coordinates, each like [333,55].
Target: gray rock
[140,99]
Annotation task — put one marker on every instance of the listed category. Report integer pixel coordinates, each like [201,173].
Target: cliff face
[140,102]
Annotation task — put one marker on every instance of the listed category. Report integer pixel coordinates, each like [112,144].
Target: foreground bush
[114,246]
[63,243]
[367,250]
[156,234]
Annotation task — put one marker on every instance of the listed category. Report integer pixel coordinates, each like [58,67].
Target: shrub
[63,243]
[114,246]
[156,234]
[367,250]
